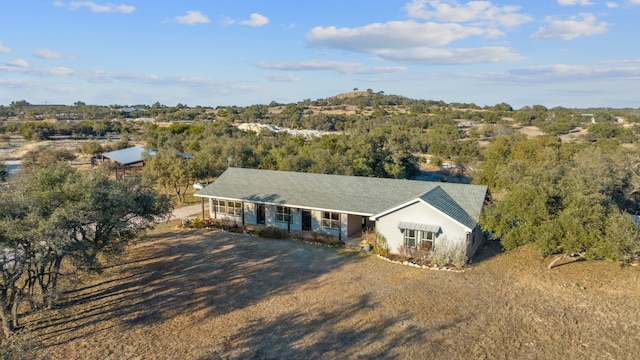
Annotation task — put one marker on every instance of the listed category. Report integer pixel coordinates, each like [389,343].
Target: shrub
[420,254]
[198,223]
[449,253]
[271,232]
[324,238]
[378,242]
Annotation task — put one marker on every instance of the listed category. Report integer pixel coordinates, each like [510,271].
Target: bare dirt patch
[205,295]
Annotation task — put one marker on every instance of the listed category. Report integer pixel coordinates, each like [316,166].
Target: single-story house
[405,212]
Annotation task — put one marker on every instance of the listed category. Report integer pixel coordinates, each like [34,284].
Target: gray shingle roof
[128,156]
[348,194]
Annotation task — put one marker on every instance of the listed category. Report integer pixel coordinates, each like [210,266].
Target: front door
[260,214]
[306,220]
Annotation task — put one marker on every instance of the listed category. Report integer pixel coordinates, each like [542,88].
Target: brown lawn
[210,295]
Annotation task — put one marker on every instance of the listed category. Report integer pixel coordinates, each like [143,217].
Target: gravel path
[186,211]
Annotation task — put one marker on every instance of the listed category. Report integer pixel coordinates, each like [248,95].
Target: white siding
[316,224]
[250,214]
[349,224]
[421,213]
[477,238]
[215,215]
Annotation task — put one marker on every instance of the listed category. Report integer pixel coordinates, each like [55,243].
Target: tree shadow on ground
[349,331]
[213,274]
[488,250]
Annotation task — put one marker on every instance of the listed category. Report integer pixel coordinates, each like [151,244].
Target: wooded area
[53,213]
[569,191]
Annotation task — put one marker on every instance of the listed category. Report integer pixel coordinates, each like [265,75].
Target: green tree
[55,215]
[172,171]
[91,147]
[46,156]
[564,199]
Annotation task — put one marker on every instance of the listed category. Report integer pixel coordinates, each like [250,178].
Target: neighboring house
[406,212]
[127,159]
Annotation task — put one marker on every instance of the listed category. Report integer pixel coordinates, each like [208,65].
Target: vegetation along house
[405,212]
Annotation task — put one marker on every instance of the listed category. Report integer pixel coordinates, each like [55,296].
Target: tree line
[563,198]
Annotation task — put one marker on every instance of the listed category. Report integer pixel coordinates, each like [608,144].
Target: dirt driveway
[204,295]
[187,211]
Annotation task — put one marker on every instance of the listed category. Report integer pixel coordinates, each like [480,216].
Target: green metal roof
[455,209]
[130,155]
[347,194]
[403,225]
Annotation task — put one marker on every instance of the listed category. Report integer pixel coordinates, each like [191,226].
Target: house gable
[419,216]
[444,203]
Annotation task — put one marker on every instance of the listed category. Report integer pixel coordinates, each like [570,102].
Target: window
[331,220]
[410,238]
[283,214]
[426,239]
[227,207]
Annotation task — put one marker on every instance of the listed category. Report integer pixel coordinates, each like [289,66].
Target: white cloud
[288,77]
[435,25]
[558,73]
[414,42]
[575,2]
[573,27]
[96,8]
[18,63]
[4,49]
[612,5]
[47,54]
[211,85]
[441,56]
[192,17]
[22,66]
[15,83]
[255,20]
[56,71]
[475,12]
[395,34]
[343,67]
[102,76]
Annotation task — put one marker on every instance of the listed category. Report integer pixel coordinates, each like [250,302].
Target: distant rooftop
[132,109]
[130,155]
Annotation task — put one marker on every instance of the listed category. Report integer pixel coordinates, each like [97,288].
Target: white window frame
[283,214]
[331,220]
[410,236]
[428,237]
[227,207]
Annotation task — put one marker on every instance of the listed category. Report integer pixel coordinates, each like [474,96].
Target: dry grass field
[202,294]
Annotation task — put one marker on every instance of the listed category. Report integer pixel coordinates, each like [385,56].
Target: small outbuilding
[129,159]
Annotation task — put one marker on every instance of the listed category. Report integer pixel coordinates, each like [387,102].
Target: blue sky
[572,53]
